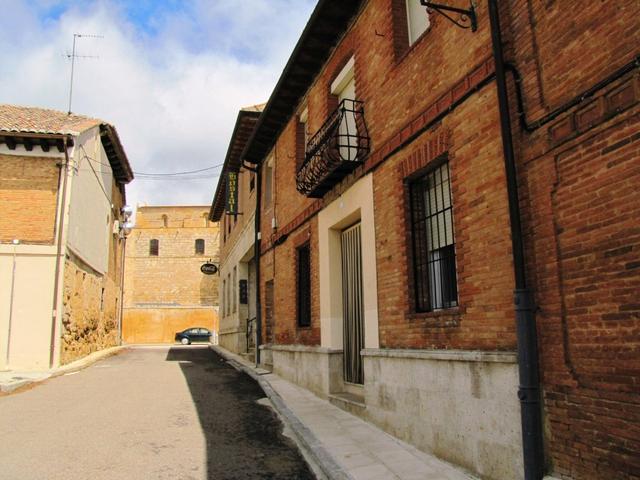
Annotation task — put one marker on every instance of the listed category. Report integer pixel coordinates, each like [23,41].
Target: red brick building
[391,229]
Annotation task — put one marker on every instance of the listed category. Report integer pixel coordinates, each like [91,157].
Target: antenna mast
[73,57]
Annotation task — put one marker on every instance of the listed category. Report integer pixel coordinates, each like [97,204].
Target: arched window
[154,247]
[165,221]
[199,246]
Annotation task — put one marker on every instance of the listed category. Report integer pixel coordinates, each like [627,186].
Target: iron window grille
[337,148]
[154,247]
[303,285]
[434,254]
[199,246]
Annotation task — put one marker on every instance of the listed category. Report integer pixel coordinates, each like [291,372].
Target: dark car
[191,335]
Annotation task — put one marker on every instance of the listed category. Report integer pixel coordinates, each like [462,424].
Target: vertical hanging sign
[232,193]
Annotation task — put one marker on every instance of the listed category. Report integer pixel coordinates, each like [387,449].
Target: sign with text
[244,297]
[232,193]
[209,268]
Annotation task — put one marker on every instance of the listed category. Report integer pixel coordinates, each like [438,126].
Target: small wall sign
[209,268]
[244,297]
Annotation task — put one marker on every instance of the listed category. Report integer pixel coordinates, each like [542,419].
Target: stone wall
[168,291]
[90,321]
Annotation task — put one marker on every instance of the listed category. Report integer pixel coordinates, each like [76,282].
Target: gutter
[528,361]
[56,286]
[256,256]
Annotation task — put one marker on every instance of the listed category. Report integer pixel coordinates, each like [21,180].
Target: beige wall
[356,204]
[172,280]
[90,229]
[31,308]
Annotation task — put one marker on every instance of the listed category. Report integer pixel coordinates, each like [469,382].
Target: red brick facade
[579,170]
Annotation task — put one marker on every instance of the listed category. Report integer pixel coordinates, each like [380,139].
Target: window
[434,257]
[224,298]
[165,221]
[154,247]
[302,138]
[268,177]
[417,19]
[233,292]
[199,246]
[303,285]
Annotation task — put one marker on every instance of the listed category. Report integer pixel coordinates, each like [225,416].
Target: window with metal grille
[303,293]
[434,254]
[199,246]
[154,247]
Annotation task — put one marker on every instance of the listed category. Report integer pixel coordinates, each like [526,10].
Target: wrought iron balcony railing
[337,148]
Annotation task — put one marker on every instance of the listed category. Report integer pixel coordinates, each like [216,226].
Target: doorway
[352,304]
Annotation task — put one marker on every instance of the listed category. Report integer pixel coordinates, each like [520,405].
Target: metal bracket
[468,18]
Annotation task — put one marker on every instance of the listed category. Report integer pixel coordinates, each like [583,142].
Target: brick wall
[28,195]
[578,176]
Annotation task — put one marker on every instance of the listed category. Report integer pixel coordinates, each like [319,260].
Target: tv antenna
[73,57]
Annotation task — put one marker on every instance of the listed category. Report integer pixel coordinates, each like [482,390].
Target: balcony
[337,148]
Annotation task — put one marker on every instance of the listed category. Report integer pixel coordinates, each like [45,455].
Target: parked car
[191,335]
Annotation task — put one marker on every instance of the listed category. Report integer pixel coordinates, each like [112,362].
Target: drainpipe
[121,306]
[56,284]
[256,256]
[11,295]
[528,364]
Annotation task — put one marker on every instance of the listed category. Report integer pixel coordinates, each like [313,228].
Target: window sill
[411,47]
[448,317]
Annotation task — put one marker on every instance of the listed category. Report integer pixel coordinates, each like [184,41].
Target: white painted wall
[32,302]
[90,209]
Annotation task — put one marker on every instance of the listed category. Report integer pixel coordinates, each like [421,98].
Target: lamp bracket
[468,18]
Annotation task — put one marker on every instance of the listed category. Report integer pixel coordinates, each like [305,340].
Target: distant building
[62,189]
[165,291]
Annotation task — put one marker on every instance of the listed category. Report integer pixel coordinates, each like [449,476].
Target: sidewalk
[12,379]
[342,445]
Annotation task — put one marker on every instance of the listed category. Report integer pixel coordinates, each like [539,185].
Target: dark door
[352,308]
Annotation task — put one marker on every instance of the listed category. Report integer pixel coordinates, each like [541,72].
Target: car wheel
[185,341]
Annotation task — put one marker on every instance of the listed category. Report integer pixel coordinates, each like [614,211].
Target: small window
[154,247]
[434,254]
[199,246]
[302,138]
[234,301]
[417,19]
[224,298]
[165,221]
[303,285]
[268,192]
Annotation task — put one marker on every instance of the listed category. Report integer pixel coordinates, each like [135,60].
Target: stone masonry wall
[91,301]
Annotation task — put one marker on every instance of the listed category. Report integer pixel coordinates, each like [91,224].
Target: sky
[170,75]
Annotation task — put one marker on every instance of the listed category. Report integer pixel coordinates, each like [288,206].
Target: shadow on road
[243,438]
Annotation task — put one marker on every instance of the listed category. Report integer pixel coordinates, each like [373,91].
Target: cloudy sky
[170,74]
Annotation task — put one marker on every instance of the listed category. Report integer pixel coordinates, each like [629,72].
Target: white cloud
[172,88]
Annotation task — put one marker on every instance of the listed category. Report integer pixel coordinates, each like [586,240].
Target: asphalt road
[161,413]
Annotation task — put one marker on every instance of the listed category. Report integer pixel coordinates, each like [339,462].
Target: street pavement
[146,413]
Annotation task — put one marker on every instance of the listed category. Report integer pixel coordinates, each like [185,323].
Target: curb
[307,440]
[69,368]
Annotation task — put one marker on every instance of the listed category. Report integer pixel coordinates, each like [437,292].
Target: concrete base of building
[459,405]
[233,340]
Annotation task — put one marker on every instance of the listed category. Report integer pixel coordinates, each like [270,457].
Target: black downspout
[529,389]
[256,256]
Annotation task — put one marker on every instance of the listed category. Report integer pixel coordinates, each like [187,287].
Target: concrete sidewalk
[343,445]
[12,379]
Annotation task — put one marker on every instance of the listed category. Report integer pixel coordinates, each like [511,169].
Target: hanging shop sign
[232,193]
[209,268]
